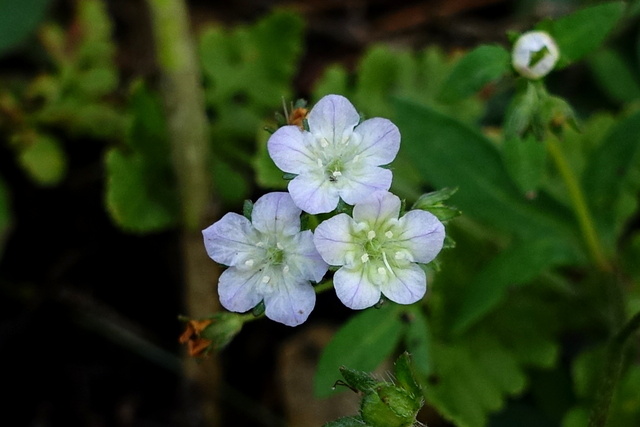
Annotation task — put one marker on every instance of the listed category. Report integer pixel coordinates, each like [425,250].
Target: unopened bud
[534,54]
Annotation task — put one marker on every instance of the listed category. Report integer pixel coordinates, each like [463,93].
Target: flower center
[275,254]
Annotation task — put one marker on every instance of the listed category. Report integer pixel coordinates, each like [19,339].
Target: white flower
[337,157]
[535,54]
[269,259]
[378,251]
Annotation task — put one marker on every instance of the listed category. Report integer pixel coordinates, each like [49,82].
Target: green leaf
[44,160]
[405,375]
[18,19]
[516,265]
[267,174]
[137,199]
[615,76]
[583,31]
[450,154]
[229,184]
[481,66]
[612,178]
[418,341]
[359,346]
[525,160]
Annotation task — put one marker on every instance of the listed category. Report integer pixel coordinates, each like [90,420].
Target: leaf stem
[323,286]
[611,374]
[579,204]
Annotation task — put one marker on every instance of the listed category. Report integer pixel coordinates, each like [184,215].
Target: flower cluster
[334,156]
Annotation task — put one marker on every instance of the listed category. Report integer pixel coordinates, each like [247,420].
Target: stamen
[249,263]
[336,173]
[371,234]
[388,234]
[285,269]
[364,257]
[386,263]
[279,246]
[260,244]
[324,143]
[382,271]
[399,255]
[265,279]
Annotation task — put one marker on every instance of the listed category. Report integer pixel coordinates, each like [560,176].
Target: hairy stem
[579,204]
[611,374]
[187,123]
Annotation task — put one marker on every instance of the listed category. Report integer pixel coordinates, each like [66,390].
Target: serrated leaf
[481,66]
[18,19]
[583,31]
[516,265]
[611,180]
[450,154]
[44,160]
[615,76]
[359,346]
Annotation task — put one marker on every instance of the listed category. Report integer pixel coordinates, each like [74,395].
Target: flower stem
[324,286]
[611,374]
[579,204]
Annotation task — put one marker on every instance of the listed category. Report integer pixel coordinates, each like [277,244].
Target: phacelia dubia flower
[378,252]
[269,260]
[338,157]
[535,54]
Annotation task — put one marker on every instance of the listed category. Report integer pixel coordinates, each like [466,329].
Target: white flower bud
[535,54]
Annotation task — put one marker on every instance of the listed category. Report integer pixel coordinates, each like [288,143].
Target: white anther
[399,255]
[382,271]
[371,234]
[260,244]
[285,269]
[279,246]
[265,279]
[324,143]
[388,234]
[249,263]
[336,173]
[364,257]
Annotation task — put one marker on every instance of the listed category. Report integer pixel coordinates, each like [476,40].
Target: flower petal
[380,141]
[276,214]
[378,208]
[313,195]
[238,290]
[422,234]
[230,239]
[408,285]
[361,182]
[333,239]
[290,149]
[303,258]
[291,302]
[333,117]
[354,289]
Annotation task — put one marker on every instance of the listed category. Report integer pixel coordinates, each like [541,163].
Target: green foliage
[481,66]
[141,193]
[41,156]
[359,346]
[583,31]
[18,19]
[615,75]
[247,71]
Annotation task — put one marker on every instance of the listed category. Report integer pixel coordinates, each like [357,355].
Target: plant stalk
[580,208]
[188,132]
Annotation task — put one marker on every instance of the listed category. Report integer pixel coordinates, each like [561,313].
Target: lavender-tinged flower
[337,157]
[269,259]
[379,252]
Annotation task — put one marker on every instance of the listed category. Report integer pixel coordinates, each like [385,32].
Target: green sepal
[224,327]
[405,375]
[347,422]
[358,380]
[247,209]
[389,406]
[258,310]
